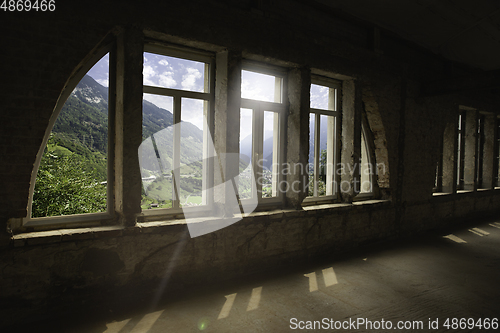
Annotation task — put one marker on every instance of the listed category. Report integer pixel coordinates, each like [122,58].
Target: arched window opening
[368,168]
[73,169]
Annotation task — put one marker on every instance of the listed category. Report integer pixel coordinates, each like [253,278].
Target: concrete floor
[442,274]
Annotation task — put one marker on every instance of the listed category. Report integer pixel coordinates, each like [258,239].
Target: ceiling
[465,31]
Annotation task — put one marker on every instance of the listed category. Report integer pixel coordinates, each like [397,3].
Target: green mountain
[84,117]
[81,128]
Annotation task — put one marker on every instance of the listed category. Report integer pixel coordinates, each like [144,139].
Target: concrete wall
[41,51]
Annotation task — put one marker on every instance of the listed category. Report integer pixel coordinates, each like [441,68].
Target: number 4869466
[28,5]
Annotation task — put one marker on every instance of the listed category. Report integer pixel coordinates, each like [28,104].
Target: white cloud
[319,97]
[104,82]
[163,62]
[148,73]
[189,80]
[153,78]
[166,79]
[257,86]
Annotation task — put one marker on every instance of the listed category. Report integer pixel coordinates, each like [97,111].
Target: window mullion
[177,152]
[317,136]
[175,92]
[277,89]
[276,154]
[330,148]
[258,144]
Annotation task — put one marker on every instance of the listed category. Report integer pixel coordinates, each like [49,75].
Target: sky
[170,72]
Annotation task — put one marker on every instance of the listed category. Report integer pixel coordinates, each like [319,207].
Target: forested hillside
[73,172]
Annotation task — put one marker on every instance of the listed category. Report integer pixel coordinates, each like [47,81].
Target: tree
[66,185]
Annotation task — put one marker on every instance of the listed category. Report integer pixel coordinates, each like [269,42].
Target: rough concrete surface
[450,273]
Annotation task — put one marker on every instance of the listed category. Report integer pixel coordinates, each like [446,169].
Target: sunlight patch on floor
[254,299]
[116,326]
[313,283]
[479,232]
[455,238]
[330,277]
[228,305]
[147,322]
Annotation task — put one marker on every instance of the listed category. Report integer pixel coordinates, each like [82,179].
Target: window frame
[438,181]
[335,85]
[89,219]
[366,135]
[280,117]
[177,95]
[481,118]
[460,165]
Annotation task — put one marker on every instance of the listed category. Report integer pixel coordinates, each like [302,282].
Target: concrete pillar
[128,125]
[299,82]
[488,151]
[449,170]
[470,167]
[227,128]
[352,107]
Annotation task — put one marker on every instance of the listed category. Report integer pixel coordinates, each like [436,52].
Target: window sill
[18,225]
[71,235]
[63,235]
[439,194]
[316,201]
[464,191]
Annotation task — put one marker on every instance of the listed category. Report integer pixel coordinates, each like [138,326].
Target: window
[469,154]
[261,133]
[72,171]
[460,150]
[175,154]
[438,180]
[323,137]
[480,150]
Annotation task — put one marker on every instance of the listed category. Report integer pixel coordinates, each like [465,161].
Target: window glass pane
[321,157]
[245,176]
[260,87]
[480,150]
[325,155]
[171,72]
[460,150]
[192,144]
[319,97]
[330,156]
[156,152]
[436,178]
[366,170]
[72,176]
[270,155]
